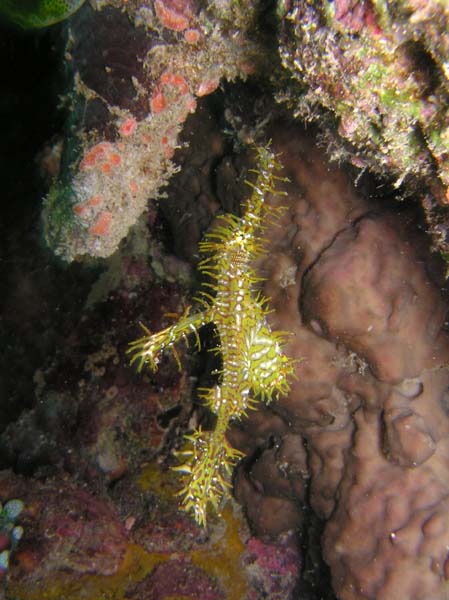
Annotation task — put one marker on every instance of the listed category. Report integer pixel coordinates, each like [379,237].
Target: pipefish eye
[33,14]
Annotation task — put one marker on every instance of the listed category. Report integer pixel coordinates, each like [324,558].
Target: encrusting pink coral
[174,14]
[129,106]
[158,101]
[206,87]
[128,126]
[192,36]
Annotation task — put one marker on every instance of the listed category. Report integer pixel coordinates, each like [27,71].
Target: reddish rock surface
[367,418]
[360,442]
[66,527]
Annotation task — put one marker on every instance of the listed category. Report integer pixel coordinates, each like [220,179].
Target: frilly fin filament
[254,365]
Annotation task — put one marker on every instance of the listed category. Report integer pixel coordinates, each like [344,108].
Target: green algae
[34,14]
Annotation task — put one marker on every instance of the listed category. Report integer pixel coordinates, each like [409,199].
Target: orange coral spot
[87,162]
[165,140]
[94,154]
[106,168]
[191,104]
[102,225]
[95,200]
[176,80]
[121,146]
[189,107]
[80,208]
[128,126]
[133,186]
[192,36]
[166,78]
[207,87]
[168,151]
[158,102]
[100,149]
[169,16]
[115,159]
[180,83]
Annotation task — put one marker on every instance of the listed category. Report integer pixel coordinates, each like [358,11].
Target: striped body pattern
[254,367]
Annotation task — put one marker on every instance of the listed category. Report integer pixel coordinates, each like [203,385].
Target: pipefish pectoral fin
[34,14]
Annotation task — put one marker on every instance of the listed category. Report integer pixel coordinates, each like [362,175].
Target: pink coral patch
[128,127]
[167,82]
[176,80]
[115,159]
[192,36]
[169,151]
[103,155]
[95,200]
[191,104]
[95,154]
[81,208]
[158,102]
[207,87]
[190,107]
[173,14]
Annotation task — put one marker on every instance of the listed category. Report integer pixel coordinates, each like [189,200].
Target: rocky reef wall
[344,484]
